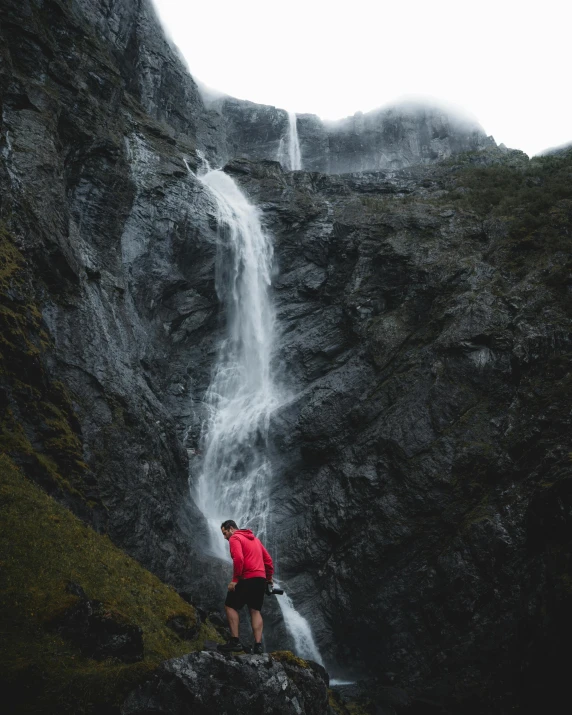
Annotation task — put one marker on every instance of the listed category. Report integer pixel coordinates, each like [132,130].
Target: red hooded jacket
[249,557]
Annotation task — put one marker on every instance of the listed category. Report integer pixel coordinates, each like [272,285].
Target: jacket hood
[245,532]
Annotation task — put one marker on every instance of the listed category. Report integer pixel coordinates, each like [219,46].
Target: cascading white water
[300,630]
[289,153]
[234,480]
[235,476]
[294,143]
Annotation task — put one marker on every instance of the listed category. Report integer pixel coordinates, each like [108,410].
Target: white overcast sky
[507,63]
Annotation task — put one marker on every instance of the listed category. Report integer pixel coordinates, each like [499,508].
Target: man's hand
[231,586]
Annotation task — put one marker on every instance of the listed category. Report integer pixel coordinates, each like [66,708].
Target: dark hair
[229,524]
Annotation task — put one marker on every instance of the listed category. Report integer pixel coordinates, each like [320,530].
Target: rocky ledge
[208,682]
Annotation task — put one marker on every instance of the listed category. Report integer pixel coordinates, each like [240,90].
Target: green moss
[335,704]
[11,260]
[376,204]
[566,579]
[62,440]
[36,417]
[476,516]
[15,442]
[19,317]
[286,656]
[42,548]
[351,707]
[535,200]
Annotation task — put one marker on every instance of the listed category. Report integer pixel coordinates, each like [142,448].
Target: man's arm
[237,558]
[268,565]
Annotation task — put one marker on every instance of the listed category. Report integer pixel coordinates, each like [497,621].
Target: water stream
[234,482]
[299,629]
[289,153]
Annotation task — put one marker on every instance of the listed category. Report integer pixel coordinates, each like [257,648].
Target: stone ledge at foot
[207,682]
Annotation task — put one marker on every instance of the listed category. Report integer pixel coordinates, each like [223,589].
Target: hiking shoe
[233,646]
[258,649]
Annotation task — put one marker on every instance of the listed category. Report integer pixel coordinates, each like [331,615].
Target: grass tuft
[286,656]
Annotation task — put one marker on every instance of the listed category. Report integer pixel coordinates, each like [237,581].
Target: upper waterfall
[289,152]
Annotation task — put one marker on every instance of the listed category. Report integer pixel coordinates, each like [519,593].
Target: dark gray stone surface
[207,682]
[391,138]
[424,427]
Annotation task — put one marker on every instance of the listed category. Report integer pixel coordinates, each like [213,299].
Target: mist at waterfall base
[234,480]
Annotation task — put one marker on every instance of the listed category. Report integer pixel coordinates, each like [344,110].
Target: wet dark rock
[98,632]
[372,697]
[207,682]
[183,628]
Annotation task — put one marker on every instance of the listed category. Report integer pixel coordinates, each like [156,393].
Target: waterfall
[234,481]
[294,152]
[289,154]
[235,476]
[300,630]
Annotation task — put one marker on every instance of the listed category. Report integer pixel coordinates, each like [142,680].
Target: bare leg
[257,623]
[233,618]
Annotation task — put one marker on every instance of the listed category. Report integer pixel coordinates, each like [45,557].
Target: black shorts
[249,592]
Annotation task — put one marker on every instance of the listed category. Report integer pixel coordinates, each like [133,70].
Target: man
[252,570]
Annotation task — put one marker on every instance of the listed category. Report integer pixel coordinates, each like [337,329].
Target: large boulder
[208,682]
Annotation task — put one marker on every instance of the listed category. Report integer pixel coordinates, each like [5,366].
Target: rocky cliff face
[421,489]
[429,343]
[391,138]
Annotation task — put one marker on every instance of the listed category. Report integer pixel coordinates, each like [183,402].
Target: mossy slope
[38,427]
[42,548]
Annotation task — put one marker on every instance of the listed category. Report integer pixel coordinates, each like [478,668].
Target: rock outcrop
[208,682]
[98,632]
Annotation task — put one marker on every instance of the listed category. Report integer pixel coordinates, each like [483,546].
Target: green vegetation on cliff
[535,198]
[341,706]
[44,548]
[38,428]
[286,656]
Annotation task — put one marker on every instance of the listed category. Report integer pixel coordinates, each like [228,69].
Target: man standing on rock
[252,570]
